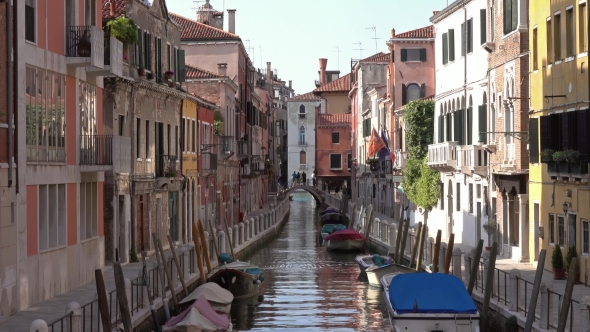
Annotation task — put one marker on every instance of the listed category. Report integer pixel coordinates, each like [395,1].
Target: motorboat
[220,299]
[375,272]
[242,279]
[200,316]
[346,239]
[333,218]
[329,209]
[366,261]
[430,301]
[386,280]
[328,229]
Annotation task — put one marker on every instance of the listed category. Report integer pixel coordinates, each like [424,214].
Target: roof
[341,84]
[334,120]
[119,6]
[429,293]
[194,30]
[305,96]
[425,32]
[378,57]
[196,73]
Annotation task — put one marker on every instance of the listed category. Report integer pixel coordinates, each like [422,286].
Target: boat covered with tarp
[377,271]
[200,316]
[242,279]
[419,301]
[219,298]
[346,239]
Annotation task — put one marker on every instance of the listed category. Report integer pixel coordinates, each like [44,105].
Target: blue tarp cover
[430,293]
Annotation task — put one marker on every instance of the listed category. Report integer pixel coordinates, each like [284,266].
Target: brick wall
[206,90]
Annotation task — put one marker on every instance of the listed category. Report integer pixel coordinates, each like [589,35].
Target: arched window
[412,92]
[302,158]
[302,140]
[302,112]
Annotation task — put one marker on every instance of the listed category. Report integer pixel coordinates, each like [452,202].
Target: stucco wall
[293,125]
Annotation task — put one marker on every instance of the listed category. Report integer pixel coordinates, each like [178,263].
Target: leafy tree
[218,122]
[419,116]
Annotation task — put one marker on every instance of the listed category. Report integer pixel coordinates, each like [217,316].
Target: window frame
[337,137]
[561,230]
[570,37]
[302,115]
[512,20]
[551,229]
[585,237]
[582,28]
[302,135]
[35,21]
[93,222]
[557,37]
[535,48]
[303,154]
[61,209]
[335,168]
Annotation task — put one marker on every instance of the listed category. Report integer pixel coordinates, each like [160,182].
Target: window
[30,28]
[302,135]
[147,139]
[45,115]
[302,112]
[569,32]
[335,137]
[158,51]
[458,196]
[560,231]
[168,57]
[470,205]
[478,191]
[412,93]
[549,43]
[138,139]
[486,202]
[367,127]
[168,138]
[467,37]
[482,26]
[551,228]
[176,140]
[302,158]
[451,36]
[585,237]
[90,12]
[335,161]
[535,54]
[88,210]
[121,125]
[557,37]
[582,29]
[139,56]
[183,133]
[442,196]
[193,136]
[510,15]
[147,50]
[413,54]
[52,216]
[445,50]
[349,161]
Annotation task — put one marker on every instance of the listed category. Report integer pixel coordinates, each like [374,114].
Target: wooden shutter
[469,125]
[441,128]
[181,75]
[448,136]
[445,50]
[404,90]
[422,90]
[555,130]
[582,133]
[483,124]
[470,35]
[451,35]
[463,39]
[139,48]
[482,25]
[404,55]
[458,126]
[565,142]
[534,141]
[545,133]
[423,54]
[514,14]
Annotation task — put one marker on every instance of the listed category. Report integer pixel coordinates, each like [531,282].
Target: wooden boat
[242,279]
[328,229]
[220,299]
[346,239]
[375,273]
[386,280]
[366,261]
[329,209]
[333,218]
[200,316]
[420,301]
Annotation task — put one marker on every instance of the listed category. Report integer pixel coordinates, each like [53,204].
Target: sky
[294,34]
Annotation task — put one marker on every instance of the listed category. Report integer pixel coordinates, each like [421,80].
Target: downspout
[133,149]
[9,91]
[465,70]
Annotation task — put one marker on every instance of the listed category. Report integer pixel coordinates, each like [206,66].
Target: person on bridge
[304,176]
[313,179]
[298,177]
[294,178]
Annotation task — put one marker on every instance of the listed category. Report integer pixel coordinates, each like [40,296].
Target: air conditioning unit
[490,46]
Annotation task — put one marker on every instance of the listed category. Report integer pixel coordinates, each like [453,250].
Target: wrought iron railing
[96,150]
[78,41]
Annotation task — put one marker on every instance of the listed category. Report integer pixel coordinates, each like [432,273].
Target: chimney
[392,33]
[323,64]
[222,69]
[290,84]
[231,21]
[268,71]
[112,8]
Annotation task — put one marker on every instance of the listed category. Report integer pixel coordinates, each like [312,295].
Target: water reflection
[307,287]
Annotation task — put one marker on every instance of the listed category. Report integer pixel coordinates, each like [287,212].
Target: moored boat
[421,301]
[220,299]
[366,261]
[386,280]
[346,239]
[242,279]
[200,316]
[375,273]
[333,218]
[328,229]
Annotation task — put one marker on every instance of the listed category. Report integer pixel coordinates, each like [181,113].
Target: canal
[305,286]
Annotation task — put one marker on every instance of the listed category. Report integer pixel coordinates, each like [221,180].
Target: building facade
[301,127]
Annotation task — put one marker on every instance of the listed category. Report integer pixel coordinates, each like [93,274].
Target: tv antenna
[360,49]
[339,51]
[197,2]
[375,32]
[260,48]
[250,48]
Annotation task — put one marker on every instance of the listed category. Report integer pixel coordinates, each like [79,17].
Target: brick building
[332,151]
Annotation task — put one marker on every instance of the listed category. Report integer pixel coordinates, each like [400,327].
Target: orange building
[333,153]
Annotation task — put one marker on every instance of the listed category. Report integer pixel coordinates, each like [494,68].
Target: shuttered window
[335,161]
[470,35]
[180,66]
[510,15]
[470,126]
[463,39]
[449,137]
[441,128]
[451,35]
[545,134]
[483,124]
[404,53]
[482,25]
[404,93]
[423,54]
[534,141]
[422,90]
[458,127]
[445,50]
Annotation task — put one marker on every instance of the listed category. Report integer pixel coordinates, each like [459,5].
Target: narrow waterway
[306,287]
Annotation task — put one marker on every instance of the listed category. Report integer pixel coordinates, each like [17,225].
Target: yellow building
[189,143]
[559,145]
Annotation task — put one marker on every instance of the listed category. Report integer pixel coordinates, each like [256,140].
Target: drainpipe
[9,91]
[465,70]
[132,182]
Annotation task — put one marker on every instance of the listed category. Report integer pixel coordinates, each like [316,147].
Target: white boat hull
[344,244]
[366,261]
[374,273]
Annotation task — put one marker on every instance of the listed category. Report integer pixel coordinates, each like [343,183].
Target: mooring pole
[530,317]
[474,267]
[487,295]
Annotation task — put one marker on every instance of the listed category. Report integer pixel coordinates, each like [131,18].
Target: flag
[375,144]
[386,151]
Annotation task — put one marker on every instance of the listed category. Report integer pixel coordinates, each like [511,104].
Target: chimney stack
[231,21]
[222,69]
[323,64]
[112,8]
[290,84]
[268,71]
[392,33]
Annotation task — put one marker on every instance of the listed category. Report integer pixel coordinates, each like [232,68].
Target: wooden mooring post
[103,303]
[567,296]
[168,274]
[177,264]
[402,249]
[449,257]
[122,297]
[436,252]
[416,244]
[474,267]
[483,323]
[530,317]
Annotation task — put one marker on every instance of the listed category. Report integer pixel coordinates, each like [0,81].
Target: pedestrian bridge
[316,193]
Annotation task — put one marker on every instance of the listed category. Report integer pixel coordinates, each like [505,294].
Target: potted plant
[490,228]
[557,263]
[562,163]
[169,74]
[124,29]
[571,253]
[547,155]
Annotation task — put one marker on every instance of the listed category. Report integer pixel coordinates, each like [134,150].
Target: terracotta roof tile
[106,8]
[196,73]
[425,32]
[194,30]
[379,57]
[334,120]
[341,84]
[305,96]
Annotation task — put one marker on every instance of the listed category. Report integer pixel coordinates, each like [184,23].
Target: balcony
[400,159]
[96,153]
[302,143]
[85,46]
[472,159]
[209,162]
[226,146]
[166,166]
[442,156]
[113,59]
[572,171]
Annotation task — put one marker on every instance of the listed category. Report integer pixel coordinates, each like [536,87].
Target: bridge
[316,193]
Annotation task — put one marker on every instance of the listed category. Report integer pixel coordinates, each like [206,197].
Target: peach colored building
[333,153]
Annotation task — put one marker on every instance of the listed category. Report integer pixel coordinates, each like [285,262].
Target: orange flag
[375,144]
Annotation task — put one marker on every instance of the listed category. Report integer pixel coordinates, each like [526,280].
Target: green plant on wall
[218,122]
[557,258]
[572,156]
[558,156]
[547,155]
[124,29]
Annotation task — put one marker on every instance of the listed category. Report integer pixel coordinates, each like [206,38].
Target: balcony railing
[96,150]
[443,156]
[166,166]
[302,143]
[85,46]
[400,159]
[472,158]
[565,169]
[242,148]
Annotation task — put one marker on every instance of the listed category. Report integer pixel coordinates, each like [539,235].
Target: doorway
[536,229]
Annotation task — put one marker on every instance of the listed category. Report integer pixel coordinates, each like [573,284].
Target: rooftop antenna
[250,49]
[260,47]
[197,2]
[339,51]
[375,32]
[360,49]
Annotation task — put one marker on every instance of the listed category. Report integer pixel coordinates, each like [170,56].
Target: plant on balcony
[547,155]
[572,156]
[83,44]
[170,172]
[124,29]
[169,74]
[557,263]
[218,122]
[558,156]
[490,228]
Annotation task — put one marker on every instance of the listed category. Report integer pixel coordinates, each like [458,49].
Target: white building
[461,85]
[301,112]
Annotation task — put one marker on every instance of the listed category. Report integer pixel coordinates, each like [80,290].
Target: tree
[419,116]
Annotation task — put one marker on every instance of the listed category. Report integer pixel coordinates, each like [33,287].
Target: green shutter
[423,54]
[482,25]
[404,55]
[506,5]
[469,125]
[458,126]
[404,88]
[448,136]
[470,35]
[181,75]
[483,124]
[441,128]
[463,39]
[422,90]
[534,141]
[445,50]
[451,44]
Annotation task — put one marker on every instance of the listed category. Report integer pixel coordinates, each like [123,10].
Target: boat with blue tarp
[430,302]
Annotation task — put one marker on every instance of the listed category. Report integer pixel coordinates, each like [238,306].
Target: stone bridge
[316,193]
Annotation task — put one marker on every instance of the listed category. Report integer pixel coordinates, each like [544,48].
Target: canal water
[306,287]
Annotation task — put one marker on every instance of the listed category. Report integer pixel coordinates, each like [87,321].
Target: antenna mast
[250,49]
[375,32]
[360,49]
[339,51]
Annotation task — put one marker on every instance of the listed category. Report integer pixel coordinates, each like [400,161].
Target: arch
[302,158]
[463,102]
[302,138]
[302,111]
[412,92]
[317,195]
[453,109]
[470,101]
